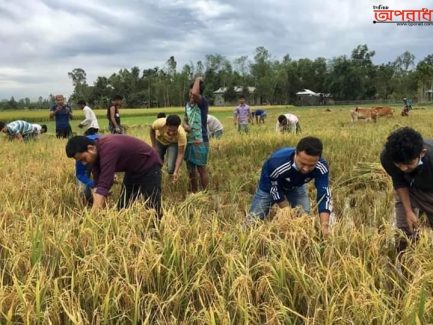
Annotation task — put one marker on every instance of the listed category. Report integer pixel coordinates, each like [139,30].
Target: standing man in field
[62,114]
[214,127]
[168,136]
[197,148]
[90,122]
[120,153]
[22,130]
[408,159]
[284,181]
[288,123]
[242,115]
[113,115]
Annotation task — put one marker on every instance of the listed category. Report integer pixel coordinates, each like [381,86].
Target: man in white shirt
[288,123]
[214,127]
[90,122]
[38,130]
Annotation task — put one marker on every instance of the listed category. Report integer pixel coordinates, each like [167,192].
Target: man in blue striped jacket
[284,181]
[22,130]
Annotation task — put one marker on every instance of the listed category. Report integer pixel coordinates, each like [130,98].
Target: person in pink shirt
[242,115]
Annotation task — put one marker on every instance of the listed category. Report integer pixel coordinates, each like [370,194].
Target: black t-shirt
[421,178]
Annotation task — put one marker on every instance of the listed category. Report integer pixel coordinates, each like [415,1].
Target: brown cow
[367,114]
[383,111]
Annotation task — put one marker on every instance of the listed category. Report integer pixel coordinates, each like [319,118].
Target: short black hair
[173,120]
[241,96]
[44,128]
[404,145]
[282,118]
[77,144]
[117,97]
[2,125]
[81,102]
[312,146]
[201,86]
[160,115]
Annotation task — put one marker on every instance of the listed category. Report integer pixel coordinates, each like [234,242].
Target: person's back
[260,115]
[215,127]
[38,130]
[19,128]
[287,123]
[214,124]
[123,153]
[90,122]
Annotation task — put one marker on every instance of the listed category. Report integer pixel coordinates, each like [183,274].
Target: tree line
[344,78]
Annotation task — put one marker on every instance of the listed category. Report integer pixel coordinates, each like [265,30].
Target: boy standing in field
[120,153]
[197,148]
[113,115]
[90,122]
[284,181]
[408,159]
[22,130]
[242,115]
[168,136]
[62,114]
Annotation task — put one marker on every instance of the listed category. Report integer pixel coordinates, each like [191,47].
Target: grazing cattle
[367,114]
[383,111]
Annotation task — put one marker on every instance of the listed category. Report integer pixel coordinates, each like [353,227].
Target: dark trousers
[421,200]
[91,131]
[146,187]
[64,133]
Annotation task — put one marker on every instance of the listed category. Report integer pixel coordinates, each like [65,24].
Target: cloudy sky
[42,40]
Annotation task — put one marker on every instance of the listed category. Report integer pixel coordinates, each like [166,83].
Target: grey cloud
[104,36]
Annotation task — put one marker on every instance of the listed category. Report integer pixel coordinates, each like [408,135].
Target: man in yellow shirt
[168,136]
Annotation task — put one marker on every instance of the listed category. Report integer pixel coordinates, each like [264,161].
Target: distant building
[308,97]
[219,95]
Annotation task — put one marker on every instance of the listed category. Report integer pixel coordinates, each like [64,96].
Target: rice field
[62,264]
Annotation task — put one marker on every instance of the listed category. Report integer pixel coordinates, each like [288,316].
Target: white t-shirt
[291,121]
[90,120]
[37,128]
[213,124]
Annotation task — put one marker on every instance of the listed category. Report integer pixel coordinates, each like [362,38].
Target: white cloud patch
[42,40]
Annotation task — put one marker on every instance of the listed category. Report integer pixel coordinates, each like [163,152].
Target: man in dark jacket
[408,159]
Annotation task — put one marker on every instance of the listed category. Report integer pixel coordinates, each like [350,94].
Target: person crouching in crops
[288,123]
[284,181]
[22,130]
[408,159]
[85,182]
[169,137]
[120,153]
